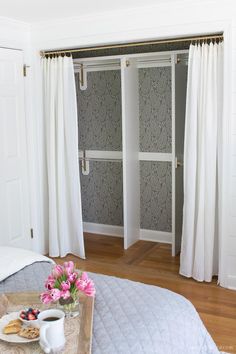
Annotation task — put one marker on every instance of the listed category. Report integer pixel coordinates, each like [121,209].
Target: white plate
[12,338]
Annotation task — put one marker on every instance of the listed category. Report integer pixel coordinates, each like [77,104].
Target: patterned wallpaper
[148,48]
[156,195]
[102,193]
[99,111]
[155,109]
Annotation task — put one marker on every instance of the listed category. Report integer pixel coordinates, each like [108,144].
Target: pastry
[12,329]
[29,332]
[15,322]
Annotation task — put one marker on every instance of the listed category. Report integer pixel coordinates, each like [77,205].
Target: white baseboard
[118,231]
[101,229]
[156,236]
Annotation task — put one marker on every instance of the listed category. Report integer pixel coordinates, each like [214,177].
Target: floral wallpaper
[155,196]
[155,109]
[99,111]
[102,193]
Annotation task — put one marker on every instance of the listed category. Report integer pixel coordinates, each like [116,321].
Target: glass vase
[70,306]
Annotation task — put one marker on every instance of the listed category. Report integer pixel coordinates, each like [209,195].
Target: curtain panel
[202,160]
[65,226]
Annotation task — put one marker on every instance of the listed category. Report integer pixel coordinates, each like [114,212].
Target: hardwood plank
[151,263]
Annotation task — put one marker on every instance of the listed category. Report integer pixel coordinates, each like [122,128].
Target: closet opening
[131,112]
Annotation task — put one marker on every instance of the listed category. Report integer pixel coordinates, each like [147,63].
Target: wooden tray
[78,331]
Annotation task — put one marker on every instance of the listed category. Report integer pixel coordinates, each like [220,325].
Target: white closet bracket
[85,164]
[178,163]
[82,78]
[175,58]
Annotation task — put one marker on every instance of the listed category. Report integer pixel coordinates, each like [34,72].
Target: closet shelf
[99,155]
[99,159]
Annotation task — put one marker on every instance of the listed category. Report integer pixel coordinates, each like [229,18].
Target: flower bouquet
[64,285]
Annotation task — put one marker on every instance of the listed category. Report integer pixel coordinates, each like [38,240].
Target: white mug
[52,337]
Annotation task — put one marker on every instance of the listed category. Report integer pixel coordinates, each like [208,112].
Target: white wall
[180,19]
[14,34]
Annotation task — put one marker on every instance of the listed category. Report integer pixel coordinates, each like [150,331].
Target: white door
[130,132]
[14,196]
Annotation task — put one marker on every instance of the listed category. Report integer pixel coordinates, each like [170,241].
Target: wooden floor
[151,263]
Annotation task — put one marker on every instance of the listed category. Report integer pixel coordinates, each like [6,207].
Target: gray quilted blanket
[131,317]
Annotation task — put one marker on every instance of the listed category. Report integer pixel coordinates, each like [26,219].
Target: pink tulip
[85,285]
[84,276]
[57,271]
[72,277]
[65,294]
[55,294]
[69,267]
[65,285]
[46,298]
[82,281]
[49,284]
[90,288]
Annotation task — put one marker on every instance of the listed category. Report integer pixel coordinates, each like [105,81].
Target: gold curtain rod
[134,44]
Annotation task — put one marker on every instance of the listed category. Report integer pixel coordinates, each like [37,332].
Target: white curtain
[64,197]
[200,239]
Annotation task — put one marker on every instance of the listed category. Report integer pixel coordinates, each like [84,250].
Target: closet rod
[135,44]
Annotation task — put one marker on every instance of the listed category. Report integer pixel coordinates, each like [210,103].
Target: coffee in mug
[49,319]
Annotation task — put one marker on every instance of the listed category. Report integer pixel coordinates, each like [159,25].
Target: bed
[130,317]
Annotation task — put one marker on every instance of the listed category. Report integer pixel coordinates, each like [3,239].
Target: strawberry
[31,317]
[22,315]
